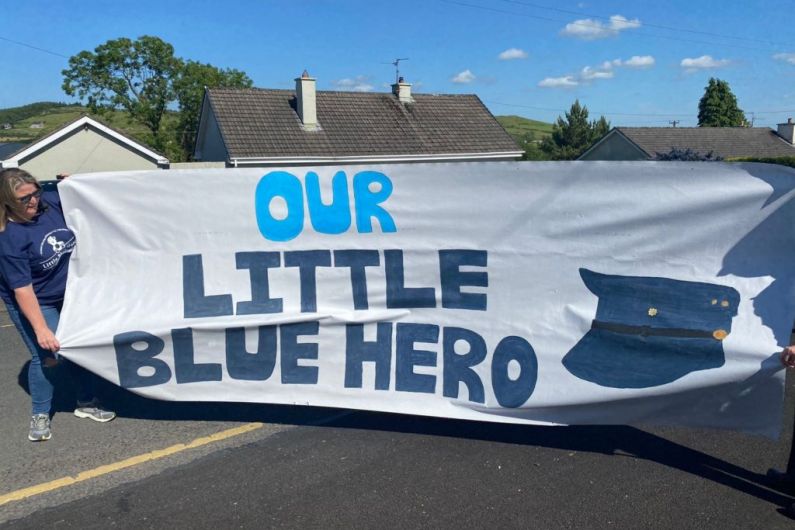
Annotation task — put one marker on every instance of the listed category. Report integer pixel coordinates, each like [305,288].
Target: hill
[523,128]
[528,134]
[30,122]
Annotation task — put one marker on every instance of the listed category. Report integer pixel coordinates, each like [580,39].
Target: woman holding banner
[35,246]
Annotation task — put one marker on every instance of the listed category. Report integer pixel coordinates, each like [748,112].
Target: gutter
[501,155]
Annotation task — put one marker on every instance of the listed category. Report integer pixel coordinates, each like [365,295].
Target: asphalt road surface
[184,465]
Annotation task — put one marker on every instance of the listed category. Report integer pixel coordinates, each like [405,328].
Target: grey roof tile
[726,142]
[263,123]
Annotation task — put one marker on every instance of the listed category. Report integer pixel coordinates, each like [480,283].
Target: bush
[782,161]
[686,155]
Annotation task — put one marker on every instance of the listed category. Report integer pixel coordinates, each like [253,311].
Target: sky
[636,63]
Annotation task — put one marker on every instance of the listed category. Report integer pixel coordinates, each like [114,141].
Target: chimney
[403,91]
[787,131]
[306,101]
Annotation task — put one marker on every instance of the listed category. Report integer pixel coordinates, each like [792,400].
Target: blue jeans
[39,384]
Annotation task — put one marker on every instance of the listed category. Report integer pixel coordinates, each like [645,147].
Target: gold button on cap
[652,311]
[720,334]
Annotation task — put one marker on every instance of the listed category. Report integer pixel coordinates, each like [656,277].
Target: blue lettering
[358,351]
[370,190]
[248,366]
[397,294]
[513,393]
[450,262]
[195,303]
[292,351]
[408,357]
[357,260]
[185,368]
[130,360]
[458,368]
[368,198]
[307,262]
[258,264]
[288,187]
[336,217]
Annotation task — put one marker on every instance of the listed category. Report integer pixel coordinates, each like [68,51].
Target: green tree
[135,76]
[718,106]
[144,78]
[572,136]
[189,87]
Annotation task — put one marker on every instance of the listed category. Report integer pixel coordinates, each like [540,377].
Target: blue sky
[637,63]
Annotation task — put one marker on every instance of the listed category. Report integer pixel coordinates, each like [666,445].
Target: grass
[520,128]
[56,115]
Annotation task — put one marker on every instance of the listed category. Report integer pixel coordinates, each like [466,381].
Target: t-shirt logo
[54,245]
[57,246]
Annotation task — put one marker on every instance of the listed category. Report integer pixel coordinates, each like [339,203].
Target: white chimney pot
[403,91]
[787,131]
[306,101]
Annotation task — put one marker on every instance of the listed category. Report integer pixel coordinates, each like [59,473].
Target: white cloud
[786,57]
[607,70]
[619,23]
[590,29]
[588,73]
[559,82]
[512,53]
[360,83]
[464,77]
[639,61]
[702,63]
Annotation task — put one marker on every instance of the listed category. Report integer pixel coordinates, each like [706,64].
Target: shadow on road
[616,440]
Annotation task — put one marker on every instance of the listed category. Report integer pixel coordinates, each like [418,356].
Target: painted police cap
[650,331]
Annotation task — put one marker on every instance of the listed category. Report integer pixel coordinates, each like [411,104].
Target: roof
[726,142]
[27,150]
[263,123]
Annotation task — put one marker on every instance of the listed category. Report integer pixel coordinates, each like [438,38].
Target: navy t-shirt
[37,252]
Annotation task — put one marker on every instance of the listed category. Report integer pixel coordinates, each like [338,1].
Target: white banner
[540,293]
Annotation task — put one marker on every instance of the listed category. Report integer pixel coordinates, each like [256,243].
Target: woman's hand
[788,357]
[29,305]
[46,339]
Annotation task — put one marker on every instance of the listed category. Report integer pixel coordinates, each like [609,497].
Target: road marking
[129,462]
[6,325]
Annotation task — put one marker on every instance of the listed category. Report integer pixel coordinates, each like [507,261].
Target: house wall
[615,147]
[86,150]
[212,147]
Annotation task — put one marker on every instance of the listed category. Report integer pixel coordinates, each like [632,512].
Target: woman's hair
[10,180]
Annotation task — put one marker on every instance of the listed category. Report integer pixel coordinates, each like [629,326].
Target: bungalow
[84,145]
[270,127]
[644,143]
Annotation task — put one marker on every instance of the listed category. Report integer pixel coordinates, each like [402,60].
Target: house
[269,127]
[84,145]
[643,143]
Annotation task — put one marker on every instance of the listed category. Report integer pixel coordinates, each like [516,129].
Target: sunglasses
[29,197]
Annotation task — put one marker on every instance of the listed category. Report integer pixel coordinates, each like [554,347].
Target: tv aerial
[396,64]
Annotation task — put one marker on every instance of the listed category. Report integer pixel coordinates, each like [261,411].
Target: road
[184,465]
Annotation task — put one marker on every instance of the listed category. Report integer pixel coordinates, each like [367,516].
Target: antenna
[396,64]
[674,122]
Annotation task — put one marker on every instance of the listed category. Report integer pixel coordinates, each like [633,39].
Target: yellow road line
[129,462]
